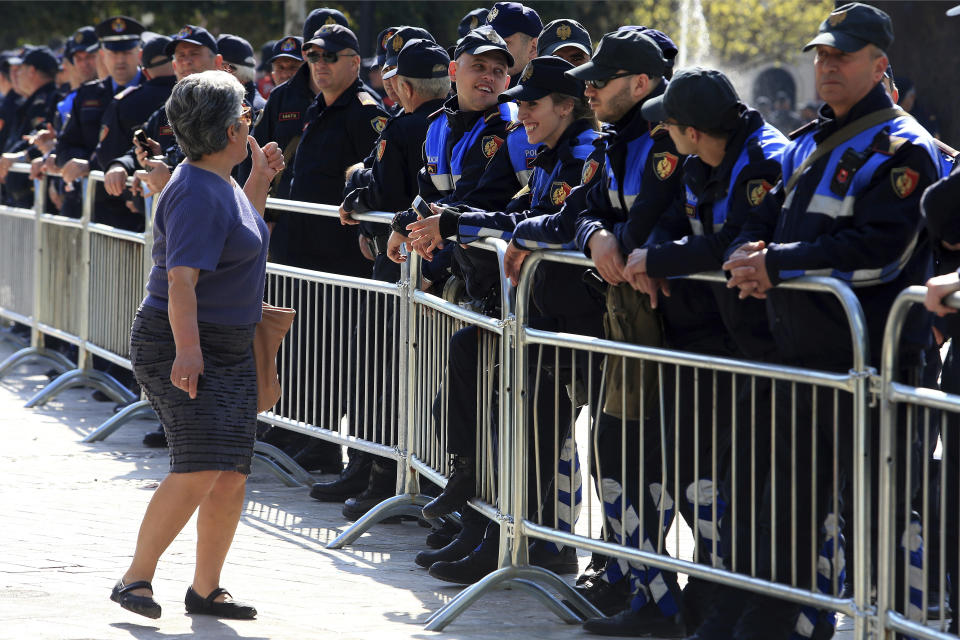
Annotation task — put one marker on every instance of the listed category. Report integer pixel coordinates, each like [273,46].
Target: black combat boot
[460,488]
[648,622]
[381,485]
[352,480]
[474,567]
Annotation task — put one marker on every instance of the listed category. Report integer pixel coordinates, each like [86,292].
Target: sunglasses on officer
[330,57]
[600,84]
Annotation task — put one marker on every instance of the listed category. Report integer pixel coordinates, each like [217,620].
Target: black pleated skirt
[216,430]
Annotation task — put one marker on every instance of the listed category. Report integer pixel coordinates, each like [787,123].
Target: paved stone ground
[69,514]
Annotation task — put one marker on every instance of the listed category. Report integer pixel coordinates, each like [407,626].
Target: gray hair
[244,73]
[429,88]
[200,109]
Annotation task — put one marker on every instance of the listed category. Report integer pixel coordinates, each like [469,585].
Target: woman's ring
[185,378]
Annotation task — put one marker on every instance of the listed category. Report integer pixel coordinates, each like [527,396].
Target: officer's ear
[452,70]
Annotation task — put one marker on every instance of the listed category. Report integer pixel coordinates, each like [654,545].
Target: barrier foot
[402,505]
[122,417]
[276,460]
[267,464]
[527,578]
[53,359]
[83,378]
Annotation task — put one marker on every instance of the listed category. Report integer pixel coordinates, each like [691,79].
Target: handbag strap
[842,135]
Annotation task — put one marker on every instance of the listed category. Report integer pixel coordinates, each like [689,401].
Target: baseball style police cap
[421,58]
[154,46]
[563,33]
[508,18]
[83,39]
[321,16]
[541,77]
[333,37]
[481,40]
[667,46]
[382,38]
[119,33]
[236,50]
[471,21]
[41,58]
[702,98]
[195,35]
[630,50]
[287,47]
[852,27]
[399,38]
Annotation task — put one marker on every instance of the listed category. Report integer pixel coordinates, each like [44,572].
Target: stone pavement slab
[69,514]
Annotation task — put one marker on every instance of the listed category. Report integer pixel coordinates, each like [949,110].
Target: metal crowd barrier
[918,556]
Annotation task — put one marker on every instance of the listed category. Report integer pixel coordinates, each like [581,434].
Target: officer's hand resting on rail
[393,247]
[605,251]
[115,180]
[345,216]
[938,288]
[425,236]
[513,262]
[635,273]
[74,169]
[748,270]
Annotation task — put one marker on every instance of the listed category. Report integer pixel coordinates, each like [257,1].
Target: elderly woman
[191,341]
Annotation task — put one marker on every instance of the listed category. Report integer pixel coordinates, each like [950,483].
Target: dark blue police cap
[421,58]
[154,46]
[508,18]
[667,46]
[627,49]
[333,37]
[287,47]
[319,17]
[236,50]
[83,39]
[702,98]
[119,33]
[195,35]
[563,33]
[382,38]
[543,76]
[852,27]
[481,40]
[399,38]
[41,58]
[471,21]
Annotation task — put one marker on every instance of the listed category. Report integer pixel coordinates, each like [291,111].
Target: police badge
[756,190]
[664,164]
[490,145]
[379,124]
[559,192]
[563,31]
[589,170]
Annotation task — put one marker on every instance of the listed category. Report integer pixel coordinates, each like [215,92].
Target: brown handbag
[267,337]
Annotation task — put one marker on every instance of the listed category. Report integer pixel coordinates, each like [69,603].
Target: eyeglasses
[229,68]
[600,84]
[330,57]
[246,116]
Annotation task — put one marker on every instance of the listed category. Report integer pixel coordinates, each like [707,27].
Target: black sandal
[143,605]
[208,606]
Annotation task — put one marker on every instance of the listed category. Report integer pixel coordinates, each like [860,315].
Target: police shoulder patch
[904,181]
[658,130]
[664,164]
[379,124]
[589,170]
[559,191]
[381,147]
[513,126]
[366,99]
[490,145]
[756,190]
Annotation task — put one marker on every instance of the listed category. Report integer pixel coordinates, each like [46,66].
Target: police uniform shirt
[853,215]
[34,113]
[334,137]
[643,179]
[81,132]
[390,183]
[127,112]
[281,121]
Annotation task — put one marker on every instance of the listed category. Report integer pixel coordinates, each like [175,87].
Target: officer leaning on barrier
[129,110]
[396,38]
[733,159]
[848,207]
[341,126]
[80,61]
[120,52]
[519,27]
[388,184]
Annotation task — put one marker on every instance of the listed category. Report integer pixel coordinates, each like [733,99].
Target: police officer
[342,124]
[130,109]
[852,211]
[238,60]
[390,184]
[322,16]
[391,49]
[120,51]
[567,39]
[519,26]
[80,61]
[284,59]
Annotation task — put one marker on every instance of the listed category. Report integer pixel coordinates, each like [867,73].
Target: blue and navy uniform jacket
[334,137]
[941,209]
[562,300]
[388,180]
[478,159]
[853,215]
[643,177]
[693,236]
[8,115]
[32,114]
[81,132]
